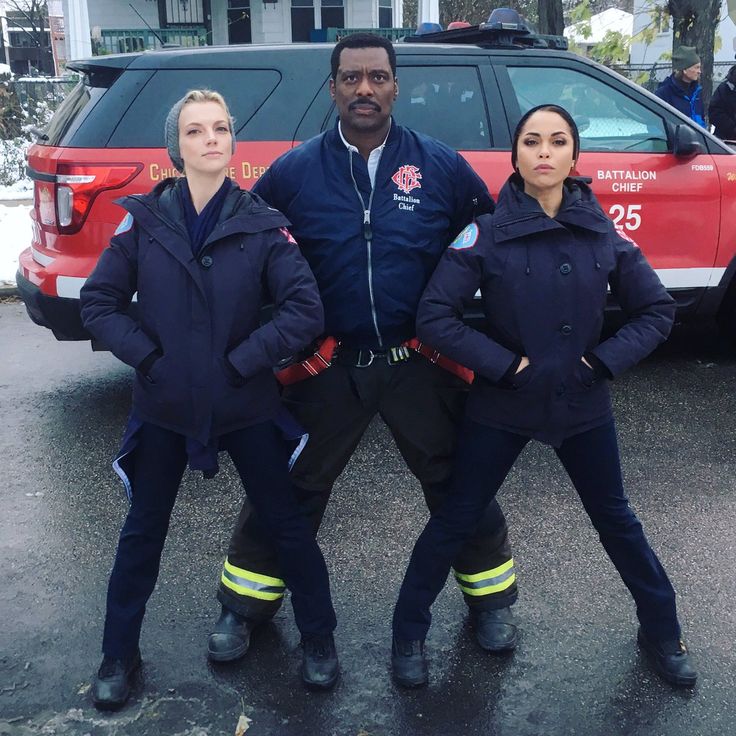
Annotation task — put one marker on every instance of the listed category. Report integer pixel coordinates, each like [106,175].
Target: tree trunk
[551,20]
[694,23]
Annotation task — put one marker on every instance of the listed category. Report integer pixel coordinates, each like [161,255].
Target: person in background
[722,107]
[203,257]
[543,263]
[682,88]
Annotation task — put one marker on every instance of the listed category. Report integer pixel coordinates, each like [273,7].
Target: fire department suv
[666,183]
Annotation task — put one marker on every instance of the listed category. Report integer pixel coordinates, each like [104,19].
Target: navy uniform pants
[260,456]
[422,404]
[483,460]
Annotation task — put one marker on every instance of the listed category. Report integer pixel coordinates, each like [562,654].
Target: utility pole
[77,30]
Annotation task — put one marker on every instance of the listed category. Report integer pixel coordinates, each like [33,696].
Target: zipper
[368,236]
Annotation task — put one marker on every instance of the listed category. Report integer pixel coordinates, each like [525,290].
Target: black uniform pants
[261,457]
[422,404]
[484,458]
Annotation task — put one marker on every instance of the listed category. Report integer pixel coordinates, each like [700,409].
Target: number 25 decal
[630,216]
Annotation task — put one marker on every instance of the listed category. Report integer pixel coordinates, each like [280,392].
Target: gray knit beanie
[171,134]
[684,57]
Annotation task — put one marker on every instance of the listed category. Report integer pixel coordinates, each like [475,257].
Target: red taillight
[77,185]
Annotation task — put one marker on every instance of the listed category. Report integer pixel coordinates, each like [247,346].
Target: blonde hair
[209,95]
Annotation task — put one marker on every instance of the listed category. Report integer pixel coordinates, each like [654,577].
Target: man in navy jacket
[372,206]
[682,89]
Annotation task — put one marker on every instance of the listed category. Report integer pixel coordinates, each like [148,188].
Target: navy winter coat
[543,283]
[373,258]
[689,102]
[198,311]
[722,111]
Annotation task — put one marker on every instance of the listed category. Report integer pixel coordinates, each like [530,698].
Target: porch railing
[124,40]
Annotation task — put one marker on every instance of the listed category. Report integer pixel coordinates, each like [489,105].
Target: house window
[302,19]
[385,14]
[332,14]
[238,21]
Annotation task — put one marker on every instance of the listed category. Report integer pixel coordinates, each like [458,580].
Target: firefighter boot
[111,686]
[670,659]
[320,668]
[231,638]
[408,662]
[495,630]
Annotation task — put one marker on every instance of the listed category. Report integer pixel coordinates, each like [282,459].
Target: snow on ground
[22,189]
[15,236]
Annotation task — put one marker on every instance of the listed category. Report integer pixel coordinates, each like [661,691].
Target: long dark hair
[564,114]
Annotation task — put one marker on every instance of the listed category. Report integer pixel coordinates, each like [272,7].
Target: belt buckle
[398,355]
[359,362]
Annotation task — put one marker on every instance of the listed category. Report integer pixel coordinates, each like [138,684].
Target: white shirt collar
[375,155]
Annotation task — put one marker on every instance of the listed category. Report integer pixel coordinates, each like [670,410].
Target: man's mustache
[364,103]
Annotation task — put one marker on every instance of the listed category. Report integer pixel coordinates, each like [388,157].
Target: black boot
[670,659]
[111,686]
[231,638]
[495,630]
[320,668]
[408,663]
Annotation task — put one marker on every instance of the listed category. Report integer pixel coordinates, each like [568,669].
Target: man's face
[692,73]
[364,90]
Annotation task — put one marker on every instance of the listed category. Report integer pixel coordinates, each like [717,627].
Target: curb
[9,290]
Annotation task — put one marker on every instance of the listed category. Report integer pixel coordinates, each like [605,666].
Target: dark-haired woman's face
[544,153]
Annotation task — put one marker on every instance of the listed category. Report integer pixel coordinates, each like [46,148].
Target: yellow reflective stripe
[252,584]
[489,581]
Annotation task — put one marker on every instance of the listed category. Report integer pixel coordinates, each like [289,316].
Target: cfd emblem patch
[466,239]
[407,178]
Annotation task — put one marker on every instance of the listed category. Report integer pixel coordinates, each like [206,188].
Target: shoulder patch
[466,239]
[287,235]
[625,236]
[125,224]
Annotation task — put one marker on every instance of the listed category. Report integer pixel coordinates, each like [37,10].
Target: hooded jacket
[722,111]
[202,313]
[544,285]
[372,250]
[689,102]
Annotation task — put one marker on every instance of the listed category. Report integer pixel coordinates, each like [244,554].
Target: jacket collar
[334,137]
[518,214]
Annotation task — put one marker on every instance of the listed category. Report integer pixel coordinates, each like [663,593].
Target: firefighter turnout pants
[422,405]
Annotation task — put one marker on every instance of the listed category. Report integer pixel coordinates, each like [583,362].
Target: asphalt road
[576,672]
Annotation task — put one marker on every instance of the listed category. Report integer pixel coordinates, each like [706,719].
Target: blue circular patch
[466,239]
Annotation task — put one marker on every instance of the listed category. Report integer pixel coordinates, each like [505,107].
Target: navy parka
[372,257]
[544,283]
[199,310]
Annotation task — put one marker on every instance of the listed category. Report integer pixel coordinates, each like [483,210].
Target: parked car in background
[667,183]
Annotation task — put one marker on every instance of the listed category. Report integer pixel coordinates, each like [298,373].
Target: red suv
[666,182]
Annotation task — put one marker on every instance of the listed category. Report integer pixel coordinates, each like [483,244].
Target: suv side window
[244,90]
[608,120]
[446,102]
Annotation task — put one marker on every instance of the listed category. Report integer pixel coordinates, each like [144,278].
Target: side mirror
[687,142]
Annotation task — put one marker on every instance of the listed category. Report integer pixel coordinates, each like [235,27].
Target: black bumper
[59,315]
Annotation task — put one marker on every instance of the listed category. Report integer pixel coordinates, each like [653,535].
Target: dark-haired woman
[543,263]
[722,107]
[203,256]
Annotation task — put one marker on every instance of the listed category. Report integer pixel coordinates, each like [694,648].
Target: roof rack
[504,28]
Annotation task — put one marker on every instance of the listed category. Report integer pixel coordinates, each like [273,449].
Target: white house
[222,22]
[642,53]
[586,34]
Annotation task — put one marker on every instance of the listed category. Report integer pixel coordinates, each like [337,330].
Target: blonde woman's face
[205,141]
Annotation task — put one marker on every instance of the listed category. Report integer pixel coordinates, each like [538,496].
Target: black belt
[363,357]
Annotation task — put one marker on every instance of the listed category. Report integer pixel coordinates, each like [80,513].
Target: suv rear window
[244,90]
[71,112]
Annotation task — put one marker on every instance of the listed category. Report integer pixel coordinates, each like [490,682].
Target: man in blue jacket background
[682,88]
[373,206]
